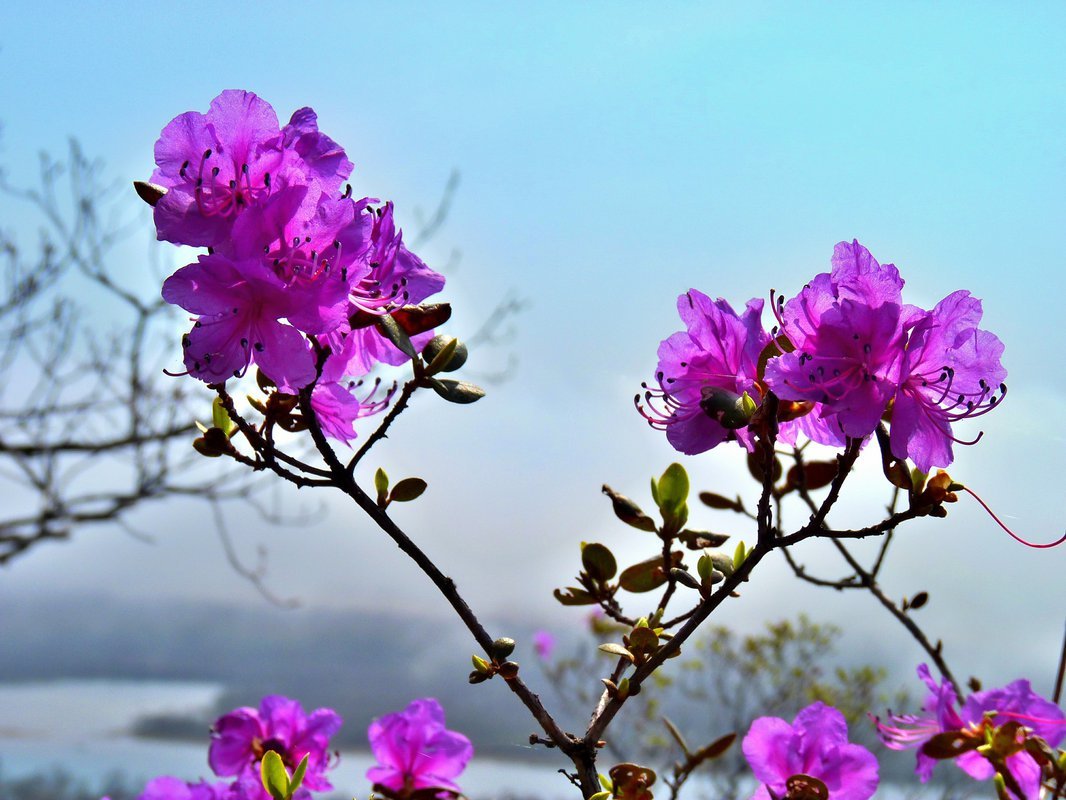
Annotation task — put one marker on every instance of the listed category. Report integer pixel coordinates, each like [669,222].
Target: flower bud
[502,647]
[452,356]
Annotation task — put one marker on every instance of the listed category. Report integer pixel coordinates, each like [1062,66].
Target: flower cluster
[785,757]
[417,756]
[972,727]
[848,354]
[295,267]
[239,741]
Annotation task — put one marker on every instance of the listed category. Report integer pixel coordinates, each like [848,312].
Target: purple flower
[707,375]
[847,330]
[169,788]
[337,408]
[239,740]
[218,165]
[415,751]
[240,305]
[951,370]
[543,645]
[394,277]
[995,707]
[815,744]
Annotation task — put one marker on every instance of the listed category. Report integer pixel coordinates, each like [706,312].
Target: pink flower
[239,740]
[216,166]
[707,375]
[815,744]
[1014,702]
[415,751]
[543,645]
[951,371]
[847,330]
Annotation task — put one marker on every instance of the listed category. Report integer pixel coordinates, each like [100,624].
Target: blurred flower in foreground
[974,724]
[414,751]
[239,740]
[815,745]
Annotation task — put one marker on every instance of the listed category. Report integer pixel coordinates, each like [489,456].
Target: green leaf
[676,734]
[391,330]
[457,391]
[220,417]
[628,511]
[643,640]
[275,778]
[714,749]
[648,575]
[407,490]
[616,650]
[715,500]
[599,562]
[698,540]
[673,488]
[574,597]
[298,776]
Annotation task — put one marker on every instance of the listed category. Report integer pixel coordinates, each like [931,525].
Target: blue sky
[612,156]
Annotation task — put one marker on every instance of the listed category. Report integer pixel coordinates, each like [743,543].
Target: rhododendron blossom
[846,328]
[951,370]
[707,375]
[218,165]
[849,354]
[169,788]
[296,268]
[941,714]
[816,745]
[239,740]
[415,751]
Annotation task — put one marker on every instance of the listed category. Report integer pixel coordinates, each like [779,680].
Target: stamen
[1011,533]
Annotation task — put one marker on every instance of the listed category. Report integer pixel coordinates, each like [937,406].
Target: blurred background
[590,162]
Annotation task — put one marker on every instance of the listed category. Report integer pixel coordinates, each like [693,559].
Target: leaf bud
[509,670]
[720,561]
[684,577]
[480,664]
[502,647]
[478,677]
[444,354]
[149,192]
[457,391]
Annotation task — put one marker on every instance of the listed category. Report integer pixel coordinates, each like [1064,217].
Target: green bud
[673,488]
[444,354]
[502,647]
